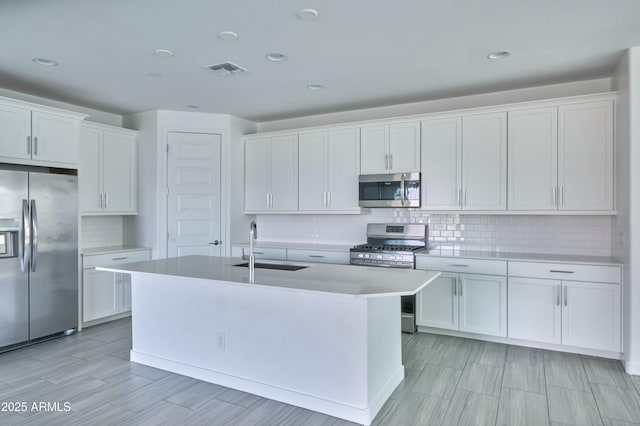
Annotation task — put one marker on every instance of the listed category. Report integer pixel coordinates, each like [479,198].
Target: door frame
[163,187]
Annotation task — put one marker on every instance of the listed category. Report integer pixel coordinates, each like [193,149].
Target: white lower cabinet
[573,313]
[468,302]
[105,294]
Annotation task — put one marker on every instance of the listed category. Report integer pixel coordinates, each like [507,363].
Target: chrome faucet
[253,234]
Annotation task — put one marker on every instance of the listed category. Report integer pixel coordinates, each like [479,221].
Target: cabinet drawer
[465,266]
[266,253]
[116,258]
[564,271]
[318,256]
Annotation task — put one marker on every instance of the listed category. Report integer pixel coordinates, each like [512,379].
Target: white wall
[486,99]
[626,226]
[94,114]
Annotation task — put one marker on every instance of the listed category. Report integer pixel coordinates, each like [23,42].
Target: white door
[119,156]
[441,173]
[585,156]
[343,169]
[313,171]
[15,132]
[404,147]
[284,173]
[55,138]
[90,181]
[483,304]
[533,159]
[437,303]
[484,162]
[591,315]
[534,309]
[257,181]
[374,149]
[193,207]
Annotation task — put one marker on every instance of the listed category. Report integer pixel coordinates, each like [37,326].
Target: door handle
[34,236]
[386,161]
[25,241]
[455,287]
[29,145]
[215,243]
[558,290]
[35,145]
[328,199]
[565,296]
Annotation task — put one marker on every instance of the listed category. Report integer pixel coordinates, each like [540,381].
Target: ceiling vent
[227,68]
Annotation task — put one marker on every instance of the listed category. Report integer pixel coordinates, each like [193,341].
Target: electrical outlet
[221,341]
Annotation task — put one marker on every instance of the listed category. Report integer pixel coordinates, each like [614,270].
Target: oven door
[392,190]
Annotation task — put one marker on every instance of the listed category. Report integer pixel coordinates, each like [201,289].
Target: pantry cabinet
[464,163]
[271,174]
[391,148]
[561,158]
[567,310]
[107,182]
[38,135]
[329,165]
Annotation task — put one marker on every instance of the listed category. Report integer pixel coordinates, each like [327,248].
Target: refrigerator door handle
[25,241]
[34,236]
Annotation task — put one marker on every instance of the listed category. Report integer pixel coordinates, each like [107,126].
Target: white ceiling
[367,53]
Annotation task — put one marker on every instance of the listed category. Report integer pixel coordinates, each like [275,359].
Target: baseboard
[362,415]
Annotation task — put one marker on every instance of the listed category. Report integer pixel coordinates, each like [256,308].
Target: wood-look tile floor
[449,381]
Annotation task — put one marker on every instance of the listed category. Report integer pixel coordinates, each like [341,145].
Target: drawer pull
[459,265]
[119,258]
[557,271]
[258,252]
[316,255]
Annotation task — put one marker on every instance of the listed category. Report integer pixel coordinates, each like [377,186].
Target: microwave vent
[227,68]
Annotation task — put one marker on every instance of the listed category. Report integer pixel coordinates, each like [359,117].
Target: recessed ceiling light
[498,55]
[45,62]
[163,53]
[228,35]
[154,74]
[308,14]
[315,87]
[276,57]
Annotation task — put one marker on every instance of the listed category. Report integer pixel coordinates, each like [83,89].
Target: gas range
[390,245]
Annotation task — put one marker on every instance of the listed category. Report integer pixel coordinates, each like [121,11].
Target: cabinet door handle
[316,255]
[267,200]
[119,258]
[555,196]
[562,195]
[558,271]
[35,145]
[324,199]
[455,287]
[459,265]
[459,203]
[460,289]
[558,290]
[386,161]
[258,252]
[565,296]
[328,199]
[28,144]
[271,200]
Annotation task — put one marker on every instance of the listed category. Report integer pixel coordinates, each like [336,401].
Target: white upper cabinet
[30,134]
[107,177]
[464,163]
[484,162]
[585,156]
[329,164]
[271,174]
[391,148]
[533,159]
[441,166]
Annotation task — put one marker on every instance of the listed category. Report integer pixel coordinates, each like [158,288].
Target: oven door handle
[402,190]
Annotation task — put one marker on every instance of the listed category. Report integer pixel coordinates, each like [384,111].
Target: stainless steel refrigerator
[38,253]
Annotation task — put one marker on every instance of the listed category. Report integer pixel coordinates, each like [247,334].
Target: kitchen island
[326,338]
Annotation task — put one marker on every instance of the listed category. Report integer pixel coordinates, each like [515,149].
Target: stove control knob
[360,255]
[379,256]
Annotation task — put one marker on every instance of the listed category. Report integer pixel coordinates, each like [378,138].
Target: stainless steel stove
[390,245]
[393,246]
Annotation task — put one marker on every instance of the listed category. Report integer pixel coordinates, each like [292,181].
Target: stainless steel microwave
[389,190]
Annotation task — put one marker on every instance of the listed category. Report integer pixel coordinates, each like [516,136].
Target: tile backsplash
[577,235]
[101,231]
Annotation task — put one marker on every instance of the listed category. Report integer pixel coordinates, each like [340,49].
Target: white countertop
[526,257]
[110,249]
[345,280]
[297,245]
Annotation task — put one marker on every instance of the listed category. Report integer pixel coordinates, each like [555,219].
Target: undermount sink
[274,266]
